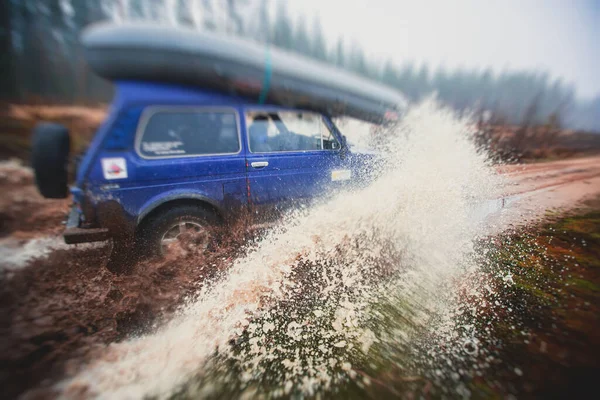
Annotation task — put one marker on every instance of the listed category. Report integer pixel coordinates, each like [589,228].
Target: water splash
[359,277]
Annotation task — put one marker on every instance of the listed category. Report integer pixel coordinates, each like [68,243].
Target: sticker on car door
[114,168]
[341,175]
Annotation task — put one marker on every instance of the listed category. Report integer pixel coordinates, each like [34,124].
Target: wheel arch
[160,205]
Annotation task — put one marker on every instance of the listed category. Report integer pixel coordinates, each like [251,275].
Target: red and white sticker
[114,168]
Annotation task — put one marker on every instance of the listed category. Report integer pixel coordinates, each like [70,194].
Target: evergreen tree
[282,34]
[42,57]
[319,48]
[8,83]
[339,55]
[301,41]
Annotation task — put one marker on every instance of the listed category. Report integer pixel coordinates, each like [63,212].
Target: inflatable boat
[234,66]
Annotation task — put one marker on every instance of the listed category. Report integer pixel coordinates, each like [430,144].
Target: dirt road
[59,303]
[533,189]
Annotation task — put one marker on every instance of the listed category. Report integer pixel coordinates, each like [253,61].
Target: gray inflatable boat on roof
[234,66]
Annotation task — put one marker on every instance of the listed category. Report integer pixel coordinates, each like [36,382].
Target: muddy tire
[50,149]
[182,228]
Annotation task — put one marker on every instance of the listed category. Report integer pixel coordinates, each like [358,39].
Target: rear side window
[182,133]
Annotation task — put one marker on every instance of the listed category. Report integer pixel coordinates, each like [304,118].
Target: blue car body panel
[291,176]
[226,181]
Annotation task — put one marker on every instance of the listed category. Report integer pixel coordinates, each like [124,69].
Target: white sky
[559,36]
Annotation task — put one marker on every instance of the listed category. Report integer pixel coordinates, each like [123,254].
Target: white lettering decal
[163,148]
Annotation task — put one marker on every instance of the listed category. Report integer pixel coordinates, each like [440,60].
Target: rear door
[179,151]
[292,157]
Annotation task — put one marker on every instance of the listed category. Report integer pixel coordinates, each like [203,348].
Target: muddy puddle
[485,210]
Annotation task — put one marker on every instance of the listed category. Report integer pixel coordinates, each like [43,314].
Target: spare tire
[50,149]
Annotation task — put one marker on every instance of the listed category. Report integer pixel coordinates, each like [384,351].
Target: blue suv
[203,128]
[172,159]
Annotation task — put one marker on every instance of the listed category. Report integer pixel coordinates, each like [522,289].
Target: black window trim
[151,110]
[267,111]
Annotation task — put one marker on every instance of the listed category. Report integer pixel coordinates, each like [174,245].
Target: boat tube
[234,66]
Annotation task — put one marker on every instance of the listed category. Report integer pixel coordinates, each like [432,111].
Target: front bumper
[73,234]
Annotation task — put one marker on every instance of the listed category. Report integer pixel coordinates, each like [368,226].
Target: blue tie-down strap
[267,78]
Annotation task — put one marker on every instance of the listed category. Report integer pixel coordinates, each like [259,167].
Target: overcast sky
[559,36]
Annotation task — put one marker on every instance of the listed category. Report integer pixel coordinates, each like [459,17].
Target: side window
[193,132]
[288,131]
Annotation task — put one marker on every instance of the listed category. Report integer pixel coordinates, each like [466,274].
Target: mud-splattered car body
[138,165]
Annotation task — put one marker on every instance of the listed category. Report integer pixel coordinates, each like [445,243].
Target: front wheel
[179,231]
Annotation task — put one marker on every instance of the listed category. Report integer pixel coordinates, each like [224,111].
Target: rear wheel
[181,230]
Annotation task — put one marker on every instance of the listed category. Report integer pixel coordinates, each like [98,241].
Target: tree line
[42,57]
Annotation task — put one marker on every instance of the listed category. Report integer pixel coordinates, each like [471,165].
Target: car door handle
[259,164]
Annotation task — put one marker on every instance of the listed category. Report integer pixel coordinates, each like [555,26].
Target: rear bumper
[73,234]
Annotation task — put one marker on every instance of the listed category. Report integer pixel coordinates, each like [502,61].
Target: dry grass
[536,143]
[18,121]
